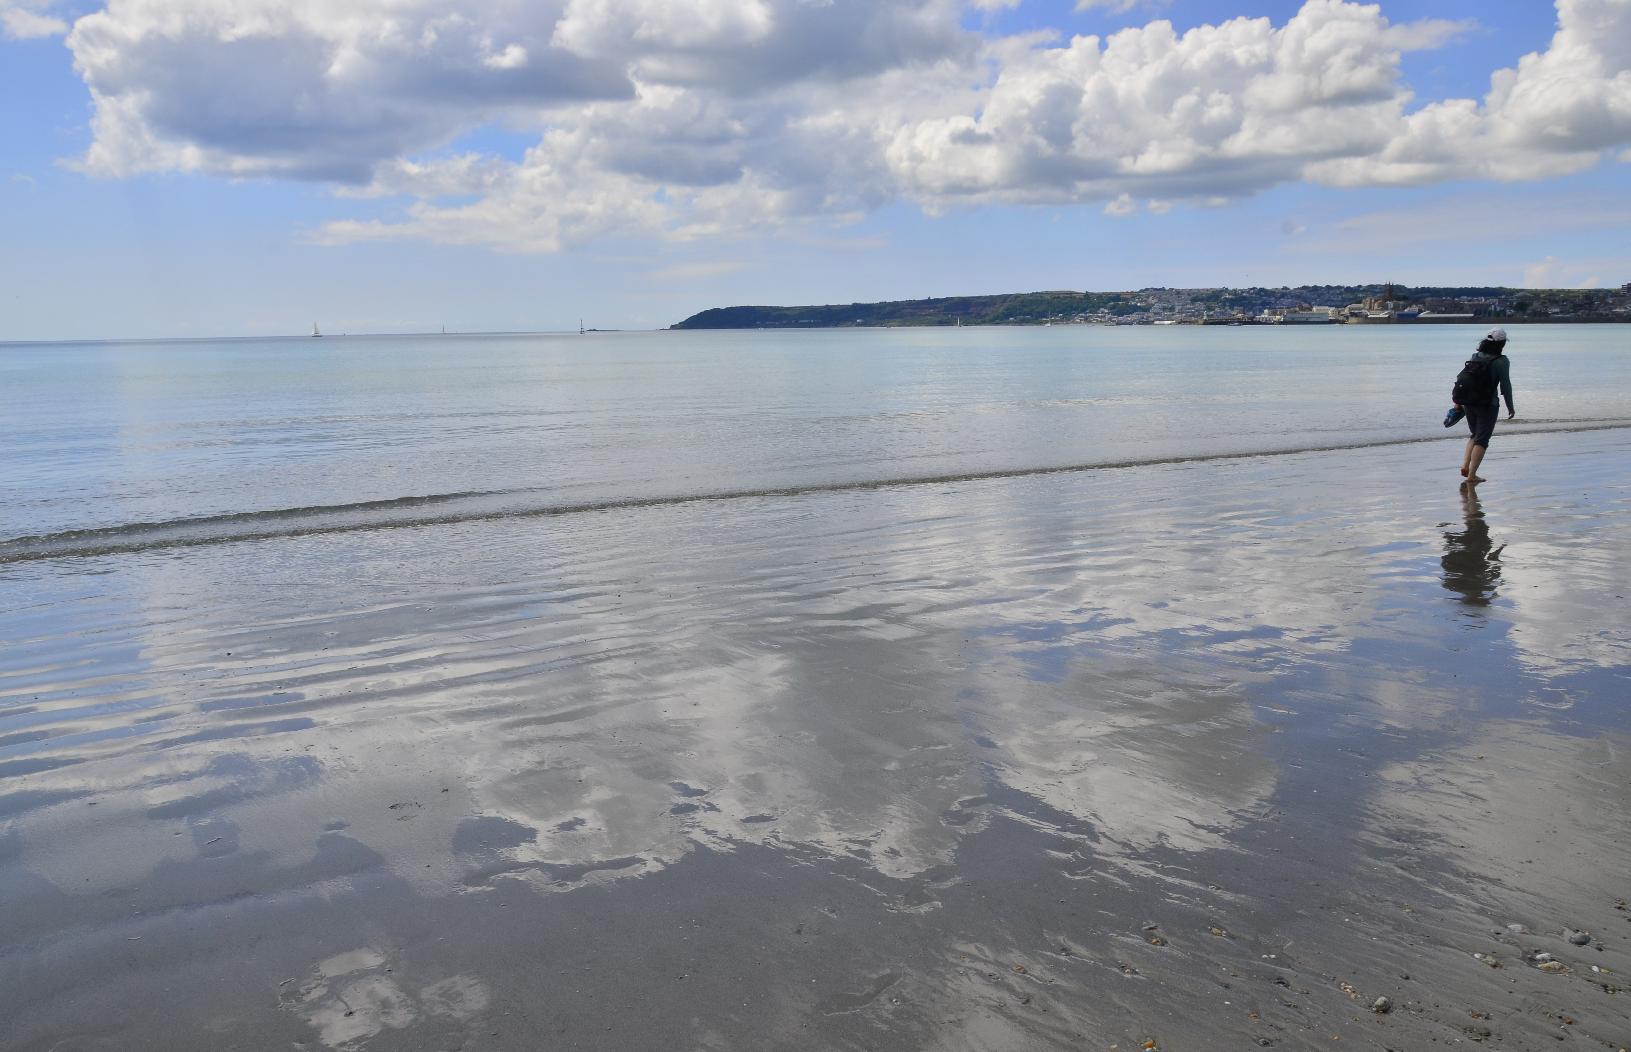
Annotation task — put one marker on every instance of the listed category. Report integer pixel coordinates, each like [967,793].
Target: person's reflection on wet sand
[1472,568]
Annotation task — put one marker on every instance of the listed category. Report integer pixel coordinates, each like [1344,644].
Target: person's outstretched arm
[1504,374]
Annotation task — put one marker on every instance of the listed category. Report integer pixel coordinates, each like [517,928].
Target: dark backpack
[1475,384]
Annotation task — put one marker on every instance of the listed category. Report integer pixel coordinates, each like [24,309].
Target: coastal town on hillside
[1385,304]
[1392,305]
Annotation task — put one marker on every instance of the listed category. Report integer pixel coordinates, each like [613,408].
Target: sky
[251,167]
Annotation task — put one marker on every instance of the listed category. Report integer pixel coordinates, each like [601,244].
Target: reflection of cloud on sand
[1562,551]
[1150,756]
[643,689]
[1570,606]
[822,692]
[748,752]
[196,807]
[850,746]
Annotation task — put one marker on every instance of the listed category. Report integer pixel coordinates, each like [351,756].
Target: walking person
[1484,381]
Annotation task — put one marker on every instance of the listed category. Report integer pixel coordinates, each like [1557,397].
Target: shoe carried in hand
[1454,416]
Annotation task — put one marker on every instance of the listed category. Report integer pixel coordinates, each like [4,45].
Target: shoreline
[404,512]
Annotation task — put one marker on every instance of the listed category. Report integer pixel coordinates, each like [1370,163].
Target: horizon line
[307,336]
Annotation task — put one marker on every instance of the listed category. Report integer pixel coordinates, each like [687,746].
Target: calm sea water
[258,436]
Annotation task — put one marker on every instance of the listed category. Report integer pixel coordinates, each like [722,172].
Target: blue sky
[249,167]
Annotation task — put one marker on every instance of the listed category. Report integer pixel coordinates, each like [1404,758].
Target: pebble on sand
[1381,1006]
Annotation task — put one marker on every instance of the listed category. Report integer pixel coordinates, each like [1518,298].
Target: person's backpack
[1475,384]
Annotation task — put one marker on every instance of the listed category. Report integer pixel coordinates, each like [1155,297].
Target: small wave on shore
[451,508]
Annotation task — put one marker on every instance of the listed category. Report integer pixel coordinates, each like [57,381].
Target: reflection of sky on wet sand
[1569,586]
[1157,757]
[1131,662]
[706,693]
[840,675]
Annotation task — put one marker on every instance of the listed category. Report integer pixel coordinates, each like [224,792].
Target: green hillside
[1193,305]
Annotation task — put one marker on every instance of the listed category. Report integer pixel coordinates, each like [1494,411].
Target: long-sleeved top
[1501,368]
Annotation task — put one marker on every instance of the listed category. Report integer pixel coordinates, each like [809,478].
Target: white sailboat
[314,333]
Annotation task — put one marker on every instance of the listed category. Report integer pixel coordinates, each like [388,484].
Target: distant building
[1300,315]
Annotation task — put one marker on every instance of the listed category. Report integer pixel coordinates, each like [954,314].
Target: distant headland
[1304,305]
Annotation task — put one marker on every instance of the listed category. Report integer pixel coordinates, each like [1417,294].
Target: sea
[125,446]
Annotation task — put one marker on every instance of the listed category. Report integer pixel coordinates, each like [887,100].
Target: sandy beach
[1195,756]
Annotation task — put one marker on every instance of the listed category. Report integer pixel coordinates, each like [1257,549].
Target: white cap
[1498,335]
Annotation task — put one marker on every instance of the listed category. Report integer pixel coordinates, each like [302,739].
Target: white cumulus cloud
[28,19]
[313,89]
[1557,112]
[696,118]
[1219,110]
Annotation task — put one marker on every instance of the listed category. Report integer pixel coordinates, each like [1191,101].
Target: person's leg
[1479,443]
[1471,416]
[1475,457]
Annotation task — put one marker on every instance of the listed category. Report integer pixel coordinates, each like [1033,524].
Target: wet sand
[1210,755]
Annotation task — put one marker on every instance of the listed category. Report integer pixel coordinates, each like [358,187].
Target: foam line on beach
[474,506]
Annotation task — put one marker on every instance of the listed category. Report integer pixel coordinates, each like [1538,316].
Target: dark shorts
[1481,422]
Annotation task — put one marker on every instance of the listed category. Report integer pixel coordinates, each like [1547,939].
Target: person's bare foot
[1474,478]
[1464,472]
